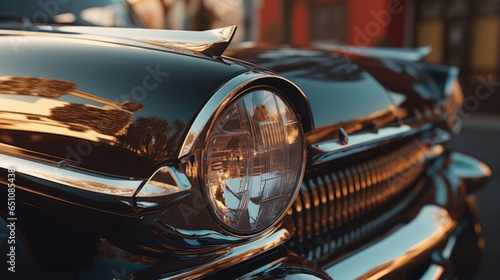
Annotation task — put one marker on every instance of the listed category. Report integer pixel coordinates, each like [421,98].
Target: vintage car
[129,153]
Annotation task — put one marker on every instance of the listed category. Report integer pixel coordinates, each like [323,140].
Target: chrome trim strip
[218,100]
[379,52]
[159,185]
[72,178]
[209,42]
[434,272]
[236,254]
[364,138]
[431,226]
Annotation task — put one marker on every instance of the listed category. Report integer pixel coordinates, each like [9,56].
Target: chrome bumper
[430,228]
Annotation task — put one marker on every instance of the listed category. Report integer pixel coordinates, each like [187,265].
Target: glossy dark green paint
[153,94]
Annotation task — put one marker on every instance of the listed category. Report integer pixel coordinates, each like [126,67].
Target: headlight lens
[254,160]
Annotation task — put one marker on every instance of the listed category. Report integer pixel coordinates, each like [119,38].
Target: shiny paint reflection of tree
[82,117]
[59,111]
[49,88]
[153,137]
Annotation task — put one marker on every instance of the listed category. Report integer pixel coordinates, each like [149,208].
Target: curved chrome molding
[164,181]
[72,178]
[379,52]
[210,42]
[434,272]
[236,255]
[364,138]
[431,226]
[217,103]
[472,171]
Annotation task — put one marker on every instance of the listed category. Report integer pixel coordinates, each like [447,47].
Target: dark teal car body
[89,116]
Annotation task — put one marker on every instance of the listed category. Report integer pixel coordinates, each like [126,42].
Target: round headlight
[254,161]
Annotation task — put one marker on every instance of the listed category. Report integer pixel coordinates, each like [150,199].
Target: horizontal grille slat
[345,192]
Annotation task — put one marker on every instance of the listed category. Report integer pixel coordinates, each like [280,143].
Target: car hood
[81,97]
[106,106]
[356,91]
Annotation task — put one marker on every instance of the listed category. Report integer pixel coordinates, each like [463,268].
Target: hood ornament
[211,42]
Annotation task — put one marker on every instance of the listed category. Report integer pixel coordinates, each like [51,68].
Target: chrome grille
[344,192]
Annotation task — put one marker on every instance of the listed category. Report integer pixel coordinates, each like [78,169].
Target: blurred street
[481,137]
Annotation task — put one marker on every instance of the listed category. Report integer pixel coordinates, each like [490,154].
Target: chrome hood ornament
[209,42]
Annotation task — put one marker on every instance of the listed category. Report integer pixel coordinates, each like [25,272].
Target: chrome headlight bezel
[290,192]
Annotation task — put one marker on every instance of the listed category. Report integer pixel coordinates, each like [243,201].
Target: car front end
[147,154]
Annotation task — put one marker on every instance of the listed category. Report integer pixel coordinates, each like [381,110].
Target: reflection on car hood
[79,100]
[351,90]
[339,91]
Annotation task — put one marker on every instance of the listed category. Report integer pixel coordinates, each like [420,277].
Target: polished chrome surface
[434,272]
[166,180]
[216,102]
[325,245]
[430,227]
[335,196]
[235,255]
[404,54]
[363,138]
[210,42]
[469,168]
[72,178]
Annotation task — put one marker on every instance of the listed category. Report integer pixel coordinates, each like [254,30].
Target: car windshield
[88,12]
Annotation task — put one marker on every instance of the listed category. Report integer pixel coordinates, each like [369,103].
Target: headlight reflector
[254,160]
